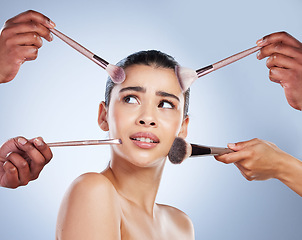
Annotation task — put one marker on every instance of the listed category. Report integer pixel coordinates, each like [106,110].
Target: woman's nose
[147,123]
[147,118]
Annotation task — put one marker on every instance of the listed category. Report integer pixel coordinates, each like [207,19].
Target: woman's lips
[144,140]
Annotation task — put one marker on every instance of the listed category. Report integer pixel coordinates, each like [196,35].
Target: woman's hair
[152,58]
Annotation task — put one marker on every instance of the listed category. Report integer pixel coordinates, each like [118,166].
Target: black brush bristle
[178,151]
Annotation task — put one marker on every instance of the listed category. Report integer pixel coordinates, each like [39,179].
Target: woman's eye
[166,104]
[130,99]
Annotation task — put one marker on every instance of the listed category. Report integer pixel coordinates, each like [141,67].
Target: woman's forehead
[152,78]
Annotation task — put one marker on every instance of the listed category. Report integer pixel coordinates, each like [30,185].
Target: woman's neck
[138,185]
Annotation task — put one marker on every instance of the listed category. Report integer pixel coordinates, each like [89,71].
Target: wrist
[286,167]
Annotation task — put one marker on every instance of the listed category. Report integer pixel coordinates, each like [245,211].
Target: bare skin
[20,39]
[284,54]
[119,203]
[22,160]
[261,160]
[258,159]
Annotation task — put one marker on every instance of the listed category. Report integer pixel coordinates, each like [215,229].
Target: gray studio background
[57,97]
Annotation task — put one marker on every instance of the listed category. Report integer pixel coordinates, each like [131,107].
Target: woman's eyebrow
[136,89]
[165,94]
[143,90]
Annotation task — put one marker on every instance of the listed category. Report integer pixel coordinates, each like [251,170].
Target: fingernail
[33,50]
[231,145]
[51,23]
[258,55]
[50,37]
[261,41]
[38,142]
[22,141]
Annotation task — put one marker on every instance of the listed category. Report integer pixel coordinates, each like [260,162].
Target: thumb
[238,146]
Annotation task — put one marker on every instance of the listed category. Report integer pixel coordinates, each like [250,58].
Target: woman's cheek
[120,120]
[171,121]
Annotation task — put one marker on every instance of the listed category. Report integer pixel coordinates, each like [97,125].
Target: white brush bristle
[186,77]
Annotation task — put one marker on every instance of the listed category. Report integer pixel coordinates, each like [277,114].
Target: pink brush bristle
[116,73]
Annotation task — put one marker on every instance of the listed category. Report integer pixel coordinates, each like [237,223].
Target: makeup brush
[187,76]
[116,73]
[85,143]
[181,150]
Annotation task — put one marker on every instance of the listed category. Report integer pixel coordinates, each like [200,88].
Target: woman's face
[146,112]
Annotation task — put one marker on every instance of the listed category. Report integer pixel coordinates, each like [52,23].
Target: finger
[7,147]
[26,53]
[22,54]
[232,157]
[241,145]
[31,15]
[10,178]
[43,148]
[280,48]
[25,39]
[283,37]
[244,172]
[22,168]
[37,160]
[27,27]
[278,75]
[281,61]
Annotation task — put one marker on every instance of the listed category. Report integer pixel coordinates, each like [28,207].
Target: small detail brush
[116,73]
[85,143]
[187,76]
[181,150]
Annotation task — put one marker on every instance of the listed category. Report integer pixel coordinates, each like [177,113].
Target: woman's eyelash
[127,99]
[161,104]
[132,99]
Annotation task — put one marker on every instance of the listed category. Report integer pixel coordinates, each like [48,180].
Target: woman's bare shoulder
[180,220]
[92,181]
[89,204]
[92,189]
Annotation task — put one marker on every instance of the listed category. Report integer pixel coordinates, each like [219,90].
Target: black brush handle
[205,70]
[102,62]
[199,150]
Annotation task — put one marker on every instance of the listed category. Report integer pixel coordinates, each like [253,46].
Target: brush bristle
[179,151]
[116,73]
[186,77]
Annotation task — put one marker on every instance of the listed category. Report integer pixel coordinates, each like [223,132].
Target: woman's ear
[184,128]
[102,118]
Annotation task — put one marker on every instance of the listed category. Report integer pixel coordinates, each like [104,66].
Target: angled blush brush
[116,73]
[85,143]
[181,150]
[187,76]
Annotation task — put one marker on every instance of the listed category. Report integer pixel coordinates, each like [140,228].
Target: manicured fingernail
[258,55]
[38,142]
[261,41]
[231,145]
[50,37]
[33,50]
[51,23]
[22,141]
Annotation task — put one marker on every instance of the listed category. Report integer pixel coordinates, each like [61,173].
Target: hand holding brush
[181,150]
